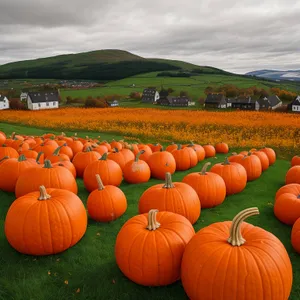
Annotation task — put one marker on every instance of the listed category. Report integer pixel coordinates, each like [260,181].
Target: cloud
[235,36]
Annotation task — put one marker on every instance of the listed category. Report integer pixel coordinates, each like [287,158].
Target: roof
[39,97]
[264,102]
[296,101]
[177,99]
[244,100]
[2,98]
[274,100]
[149,95]
[163,93]
[214,98]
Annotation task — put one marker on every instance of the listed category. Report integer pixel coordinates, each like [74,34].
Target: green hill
[100,65]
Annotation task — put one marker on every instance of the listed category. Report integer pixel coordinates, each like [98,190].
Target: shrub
[15,103]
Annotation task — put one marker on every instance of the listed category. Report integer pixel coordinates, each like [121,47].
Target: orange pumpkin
[2,137]
[8,151]
[45,222]
[235,157]
[293,188]
[222,148]
[137,170]
[31,179]
[121,157]
[115,144]
[223,254]
[47,147]
[101,149]
[210,151]
[293,175]
[56,156]
[106,144]
[264,160]
[156,147]
[295,161]
[66,150]
[175,197]
[210,187]
[295,236]
[199,151]
[153,243]
[252,165]
[233,174]
[76,146]
[147,152]
[109,171]
[271,154]
[185,158]
[171,147]
[160,163]
[106,203]
[68,165]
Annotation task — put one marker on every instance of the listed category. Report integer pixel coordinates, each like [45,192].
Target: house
[215,101]
[113,103]
[174,101]
[150,95]
[294,106]
[244,103]
[4,103]
[42,100]
[268,103]
[23,96]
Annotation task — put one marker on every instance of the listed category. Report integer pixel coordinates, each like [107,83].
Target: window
[54,103]
[47,103]
[39,104]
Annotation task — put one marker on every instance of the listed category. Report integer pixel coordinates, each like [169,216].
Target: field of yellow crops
[238,129]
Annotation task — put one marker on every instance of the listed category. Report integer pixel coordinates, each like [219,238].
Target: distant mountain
[99,65]
[293,75]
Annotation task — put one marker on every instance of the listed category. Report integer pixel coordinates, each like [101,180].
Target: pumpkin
[109,171]
[171,147]
[289,188]
[295,161]
[23,146]
[236,260]
[264,160]
[47,147]
[8,151]
[185,158]
[295,236]
[155,147]
[106,203]
[252,165]
[106,144]
[76,146]
[160,163]
[2,137]
[11,169]
[147,152]
[82,159]
[233,174]
[222,148]
[271,154]
[115,144]
[210,151]
[287,206]
[31,179]
[68,165]
[175,197]
[66,150]
[133,147]
[101,149]
[149,247]
[45,222]
[121,157]
[137,170]
[293,175]
[210,187]
[199,150]
[56,156]
[235,157]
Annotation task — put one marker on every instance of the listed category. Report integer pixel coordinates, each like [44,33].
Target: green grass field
[89,268]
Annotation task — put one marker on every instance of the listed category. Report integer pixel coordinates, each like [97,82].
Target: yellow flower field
[238,129]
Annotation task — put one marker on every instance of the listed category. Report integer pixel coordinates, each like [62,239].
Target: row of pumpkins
[159,246]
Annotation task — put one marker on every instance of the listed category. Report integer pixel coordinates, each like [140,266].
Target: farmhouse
[215,101]
[268,103]
[4,103]
[23,96]
[245,103]
[174,101]
[295,105]
[42,100]
[113,103]
[150,95]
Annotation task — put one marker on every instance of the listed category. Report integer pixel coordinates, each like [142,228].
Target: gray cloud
[235,36]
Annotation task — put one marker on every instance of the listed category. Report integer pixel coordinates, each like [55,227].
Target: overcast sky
[238,36]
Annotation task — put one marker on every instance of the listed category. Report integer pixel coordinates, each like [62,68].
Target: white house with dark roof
[42,100]
[295,105]
[150,95]
[4,103]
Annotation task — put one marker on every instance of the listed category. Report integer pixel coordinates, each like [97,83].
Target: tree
[170,90]
[183,94]
[208,90]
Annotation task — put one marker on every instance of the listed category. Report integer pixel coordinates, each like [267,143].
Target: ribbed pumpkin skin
[59,177]
[295,161]
[199,151]
[271,155]
[252,166]
[287,208]
[82,159]
[234,175]
[210,150]
[293,188]
[182,199]
[293,175]
[48,226]
[214,269]
[136,172]
[235,158]
[8,151]
[222,148]
[210,188]
[109,171]
[106,205]
[153,258]
[185,158]
[68,165]
[264,160]
[295,236]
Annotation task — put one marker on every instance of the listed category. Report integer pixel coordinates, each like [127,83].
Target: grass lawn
[88,270]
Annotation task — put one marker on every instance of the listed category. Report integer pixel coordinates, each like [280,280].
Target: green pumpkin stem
[39,156]
[226,162]
[47,164]
[43,194]
[152,222]
[204,169]
[56,152]
[178,146]
[168,181]
[104,156]
[138,155]
[116,150]
[99,183]
[88,149]
[5,157]
[22,158]
[235,237]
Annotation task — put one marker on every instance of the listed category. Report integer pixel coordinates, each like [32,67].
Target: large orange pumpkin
[236,260]
[293,188]
[252,165]
[57,156]
[210,151]
[175,197]
[45,222]
[68,165]
[293,175]
[121,157]
[264,160]
[8,151]
[106,203]
[295,161]
[185,158]
[160,163]
[149,247]
[2,137]
[233,174]
[235,157]
[199,150]
[210,187]
[295,235]
[147,152]
[270,153]
[222,148]
[31,179]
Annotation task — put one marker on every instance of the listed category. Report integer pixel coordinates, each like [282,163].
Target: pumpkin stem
[103,157]
[99,182]
[178,146]
[47,164]
[56,152]
[138,155]
[13,135]
[39,156]
[168,182]
[22,158]
[297,197]
[234,153]
[235,238]
[116,150]
[204,169]
[249,153]
[192,143]
[88,149]
[152,223]
[226,162]
[43,194]
[5,157]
